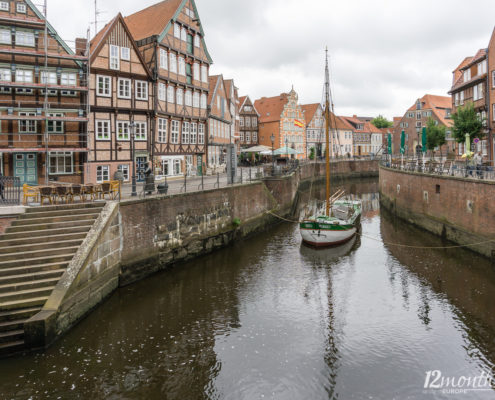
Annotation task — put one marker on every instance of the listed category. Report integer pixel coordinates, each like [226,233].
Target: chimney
[81,45]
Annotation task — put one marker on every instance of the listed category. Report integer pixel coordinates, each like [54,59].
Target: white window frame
[183,34]
[57,127]
[170,94]
[124,168]
[30,125]
[68,79]
[201,134]
[162,91]
[174,132]
[254,121]
[140,131]
[185,133]
[141,88]
[179,94]
[162,130]
[102,173]
[163,59]
[188,98]
[177,30]
[203,102]
[49,77]
[182,66]
[125,53]
[204,73]
[21,8]
[4,6]
[196,99]
[106,89]
[124,88]
[5,75]
[66,156]
[197,41]
[114,57]
[196,72]
[172,62]
[102,130]
[24,75]
[193,133]
[255,137]
[5,36]
[122,132]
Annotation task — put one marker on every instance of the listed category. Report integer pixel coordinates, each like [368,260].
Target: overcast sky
[384,54]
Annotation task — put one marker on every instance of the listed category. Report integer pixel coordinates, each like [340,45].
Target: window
[60,162]
[68,79]
[197,41]
[188,101]
[124,88]
[255,137]
[493,79]
[203,101]
[241,121]
[204,73]
[24,75]
[185,132]
[102,130]
[26,125]
[4,5]
[163,59]
[104,86]
[183,34]
[21,8]
[125,53]
[114,57]
[174,132]
[162,92]
[170,94]
[5,75]
[162,130]
[255,121]
[173,63]
[177,167]
[177,30]
[196,99]
[68,93]
[248,137]
[478,91]
[102,173]
[182,66]
[55,126]
[493,112]
[462,98]
[123,130]
[418,124]
[248,122]
[5,36]
[141,90]
[48,77]
[456,99]
[411,115]
[242,136]
[140,131]
[201,134]
[124,168]
[482,67]
[467,75]
[194,132]
[196,74]
[180,97]
[188,74]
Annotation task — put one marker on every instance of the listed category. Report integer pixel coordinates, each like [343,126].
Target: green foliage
[236,222]
[466,121]
[435,134]
[312,153]
[381,122]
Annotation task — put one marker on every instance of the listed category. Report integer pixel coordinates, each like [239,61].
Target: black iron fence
[461,169]
[10,190]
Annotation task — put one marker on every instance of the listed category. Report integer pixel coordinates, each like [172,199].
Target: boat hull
[325,238]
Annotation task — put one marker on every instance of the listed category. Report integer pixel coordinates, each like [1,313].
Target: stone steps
[35,251]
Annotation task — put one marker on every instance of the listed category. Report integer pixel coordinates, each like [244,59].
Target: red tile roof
[309,111]
[152,20]
[430,101]
[270,108]
[212,81]
[95,42]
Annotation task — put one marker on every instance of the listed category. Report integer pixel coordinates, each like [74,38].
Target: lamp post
[272,138]
[132,126]
[287,148]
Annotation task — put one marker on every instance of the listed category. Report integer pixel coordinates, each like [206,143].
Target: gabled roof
[480,55]
[157,20]
[213,85]
[309,111]
[242,100]
[100,38]
[430,101]
[270,108]
[344,124]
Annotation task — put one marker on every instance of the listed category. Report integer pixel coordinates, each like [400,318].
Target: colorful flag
[298,123]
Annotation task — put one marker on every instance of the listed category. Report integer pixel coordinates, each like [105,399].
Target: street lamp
[287,148]
[272,138]
[132,126]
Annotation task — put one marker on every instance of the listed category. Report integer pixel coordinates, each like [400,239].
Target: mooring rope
[397,244]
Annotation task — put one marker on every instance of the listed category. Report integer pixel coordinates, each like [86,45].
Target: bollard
[250,177]
[185,182]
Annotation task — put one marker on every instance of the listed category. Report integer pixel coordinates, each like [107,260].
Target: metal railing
[10,190]
[461,169]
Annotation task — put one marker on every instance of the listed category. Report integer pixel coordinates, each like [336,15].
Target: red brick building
[248,118]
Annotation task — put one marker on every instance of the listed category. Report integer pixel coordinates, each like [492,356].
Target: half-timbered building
[170,37]
[43,98]
[248,117]
[122,101]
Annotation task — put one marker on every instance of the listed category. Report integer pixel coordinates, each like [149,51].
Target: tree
[312,153]
[435,135]
[381,122]
[466,121]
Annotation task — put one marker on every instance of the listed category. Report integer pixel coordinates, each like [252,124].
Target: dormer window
[21,8]
[467,75]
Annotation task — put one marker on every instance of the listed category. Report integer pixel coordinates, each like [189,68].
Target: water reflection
[267,318]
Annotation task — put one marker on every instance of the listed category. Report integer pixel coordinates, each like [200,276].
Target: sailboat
[340,221]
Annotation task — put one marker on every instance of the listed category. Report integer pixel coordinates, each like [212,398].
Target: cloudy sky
[384,54]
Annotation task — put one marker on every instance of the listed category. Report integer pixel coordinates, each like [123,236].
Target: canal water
[268,318]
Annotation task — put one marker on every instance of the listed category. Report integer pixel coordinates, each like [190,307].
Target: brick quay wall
[457,209]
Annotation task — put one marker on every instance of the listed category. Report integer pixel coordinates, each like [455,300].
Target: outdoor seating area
[69,193]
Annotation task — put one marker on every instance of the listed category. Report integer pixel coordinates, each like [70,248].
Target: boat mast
[327,125]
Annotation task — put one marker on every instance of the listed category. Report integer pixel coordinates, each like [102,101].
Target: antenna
[97,13]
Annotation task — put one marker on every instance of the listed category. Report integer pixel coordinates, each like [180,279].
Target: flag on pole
[402,142]
[423,141]
[298,123]
[389,144]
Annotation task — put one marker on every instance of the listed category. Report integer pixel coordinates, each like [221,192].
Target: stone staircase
[34,253]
